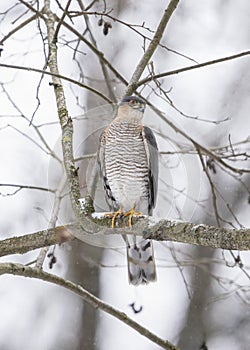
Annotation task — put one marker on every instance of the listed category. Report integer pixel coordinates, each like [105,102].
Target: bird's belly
[127,175]
[130,193]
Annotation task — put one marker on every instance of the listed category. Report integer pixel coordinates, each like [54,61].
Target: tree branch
[40,239]
[29,187]
[168,229]
[16,29]
[196,66]
[65,119]
[152,47]
[82,38]
[59,76]
[164,230]
[27,271]
[202,235]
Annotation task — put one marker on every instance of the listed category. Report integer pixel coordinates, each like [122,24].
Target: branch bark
[164,230]
[65,119]
[32,241]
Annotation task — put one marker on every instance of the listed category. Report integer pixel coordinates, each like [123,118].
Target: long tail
[141,263]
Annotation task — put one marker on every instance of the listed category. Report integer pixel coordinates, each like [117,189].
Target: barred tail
[141,263]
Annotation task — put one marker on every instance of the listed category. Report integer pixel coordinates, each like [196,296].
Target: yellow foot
[132,213]
[114,216]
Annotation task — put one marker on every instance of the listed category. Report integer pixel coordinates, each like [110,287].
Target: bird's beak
[142,108]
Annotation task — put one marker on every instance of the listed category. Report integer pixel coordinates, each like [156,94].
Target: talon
[114,216]
[132,213]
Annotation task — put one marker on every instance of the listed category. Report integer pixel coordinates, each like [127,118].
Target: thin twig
[82,38]
[16,29]
[59,76]
[214,198]
[131,27]
[196,66]
[103,66]
[54,217]
[205,150]
[29,187]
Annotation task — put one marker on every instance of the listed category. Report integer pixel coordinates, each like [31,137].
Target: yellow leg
[132,213]
[114,216]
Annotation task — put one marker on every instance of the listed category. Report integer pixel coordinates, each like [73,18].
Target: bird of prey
[128,160]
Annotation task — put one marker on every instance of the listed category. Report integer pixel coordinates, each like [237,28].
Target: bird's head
[132,107]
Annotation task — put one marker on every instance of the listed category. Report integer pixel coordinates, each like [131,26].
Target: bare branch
[29,187]
[81,37]
[32,241]
[213,189]
[164,230]
[65,12]
[151,48]
[204,150]
[196,66]
[65,120]
[54,217]
[100,54]
[59,76]
[103,66]
[202,235]
[16,29]
[27,271]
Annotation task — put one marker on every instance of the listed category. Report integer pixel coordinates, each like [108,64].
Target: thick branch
[26,271]
[202,235]
[65,119]
[40,239]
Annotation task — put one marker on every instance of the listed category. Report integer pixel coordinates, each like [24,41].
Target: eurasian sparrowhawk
[128,159]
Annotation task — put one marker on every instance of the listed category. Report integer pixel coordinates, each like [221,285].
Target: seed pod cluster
[106,25]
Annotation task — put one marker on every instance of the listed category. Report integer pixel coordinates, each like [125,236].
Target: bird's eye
[132,102]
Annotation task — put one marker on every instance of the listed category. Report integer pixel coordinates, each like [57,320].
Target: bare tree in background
[65,65]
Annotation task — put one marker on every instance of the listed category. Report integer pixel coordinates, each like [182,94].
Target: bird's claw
[114,216]
[130,214]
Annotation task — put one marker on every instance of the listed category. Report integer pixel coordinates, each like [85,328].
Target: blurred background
[201,298]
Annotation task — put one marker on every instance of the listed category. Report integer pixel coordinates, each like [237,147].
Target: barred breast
[127,166]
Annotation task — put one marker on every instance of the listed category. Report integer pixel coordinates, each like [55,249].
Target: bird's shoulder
[149,136]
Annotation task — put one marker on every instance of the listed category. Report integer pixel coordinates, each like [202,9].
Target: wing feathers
[153,166]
